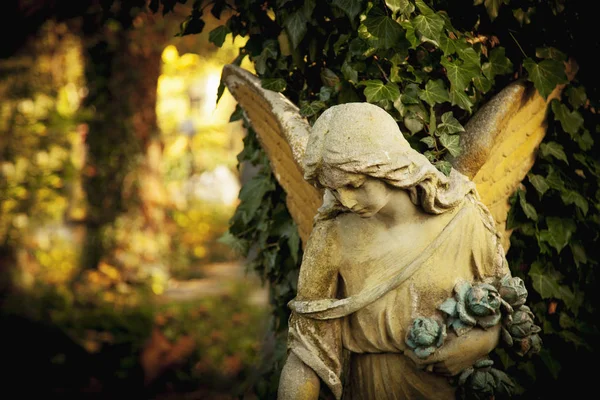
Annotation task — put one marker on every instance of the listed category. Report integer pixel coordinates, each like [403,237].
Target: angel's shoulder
[325,233]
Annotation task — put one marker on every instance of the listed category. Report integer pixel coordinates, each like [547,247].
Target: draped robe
[347,305]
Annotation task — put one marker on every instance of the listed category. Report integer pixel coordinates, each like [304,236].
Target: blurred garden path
[218,280]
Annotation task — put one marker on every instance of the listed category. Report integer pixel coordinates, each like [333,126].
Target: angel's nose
[347,198]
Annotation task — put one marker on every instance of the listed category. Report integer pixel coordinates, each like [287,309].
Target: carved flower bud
[473,305]
[484,382]
[513,291]
[483,300]
[425,336]
[522,333]
[522,324]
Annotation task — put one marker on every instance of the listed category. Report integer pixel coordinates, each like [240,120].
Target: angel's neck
[400,210]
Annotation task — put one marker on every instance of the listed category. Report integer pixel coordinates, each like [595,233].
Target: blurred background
[118,177]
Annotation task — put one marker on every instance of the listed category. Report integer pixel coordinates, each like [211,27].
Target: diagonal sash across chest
[323,309]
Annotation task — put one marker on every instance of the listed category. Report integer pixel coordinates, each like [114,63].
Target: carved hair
[362,138]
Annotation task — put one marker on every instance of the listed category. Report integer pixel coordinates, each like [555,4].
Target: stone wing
[283,134]
[499,146]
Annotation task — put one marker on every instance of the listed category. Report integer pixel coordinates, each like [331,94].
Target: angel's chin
[364,213]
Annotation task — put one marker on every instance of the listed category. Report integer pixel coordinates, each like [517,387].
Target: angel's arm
[459,352]
[314,346]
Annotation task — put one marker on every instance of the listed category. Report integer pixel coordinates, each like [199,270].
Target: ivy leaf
[555,150]
[325,93]
[460,98]
[550,53]
[539,183]
[340,43]
[217,8]
[460,74]
[570,121]
[558,233]
[565,321]
[546,75]
[274,84]
[409,33]
[451,143]
[492,6]
[413,123]
[585,140]
[312,108]
[443,166]
[543,283]
[554,180]
[358,47]
[192,25]
[329,78]
[350,74]
[405,7]
[218,35]
[269,51]
[286,228]
[579,255]
[309,6]
[552,365]
[350,7]
[424,8]
[568,296]
[237,114]
[527,208]
[238,245]
[505,359]
[449,124]
[498,64]
[447,45]
[482,83]
[435,92]
[251,196]
[388,32]
[348,95]
[572,197]
[410,94]
[428,27]
[470,56]
[376,91]
[429,141]
[577,96]
[522,16]
[295,25]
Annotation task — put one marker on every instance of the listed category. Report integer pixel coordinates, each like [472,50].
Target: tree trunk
[121,178]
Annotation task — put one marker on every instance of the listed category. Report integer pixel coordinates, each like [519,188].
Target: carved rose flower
[425,336]
[473,305]
[521,333]
[484,382]
[513,291]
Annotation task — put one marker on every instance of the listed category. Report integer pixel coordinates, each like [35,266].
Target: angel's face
[361,194]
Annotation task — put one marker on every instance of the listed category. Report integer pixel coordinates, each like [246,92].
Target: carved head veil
[361,138]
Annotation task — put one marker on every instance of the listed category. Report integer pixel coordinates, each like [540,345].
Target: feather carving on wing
[499,144]
[283,134]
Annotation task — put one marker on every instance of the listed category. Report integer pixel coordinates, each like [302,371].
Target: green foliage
[218,35]
[431,69]
[546,74]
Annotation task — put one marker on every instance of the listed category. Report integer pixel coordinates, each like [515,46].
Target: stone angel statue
[404,282]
